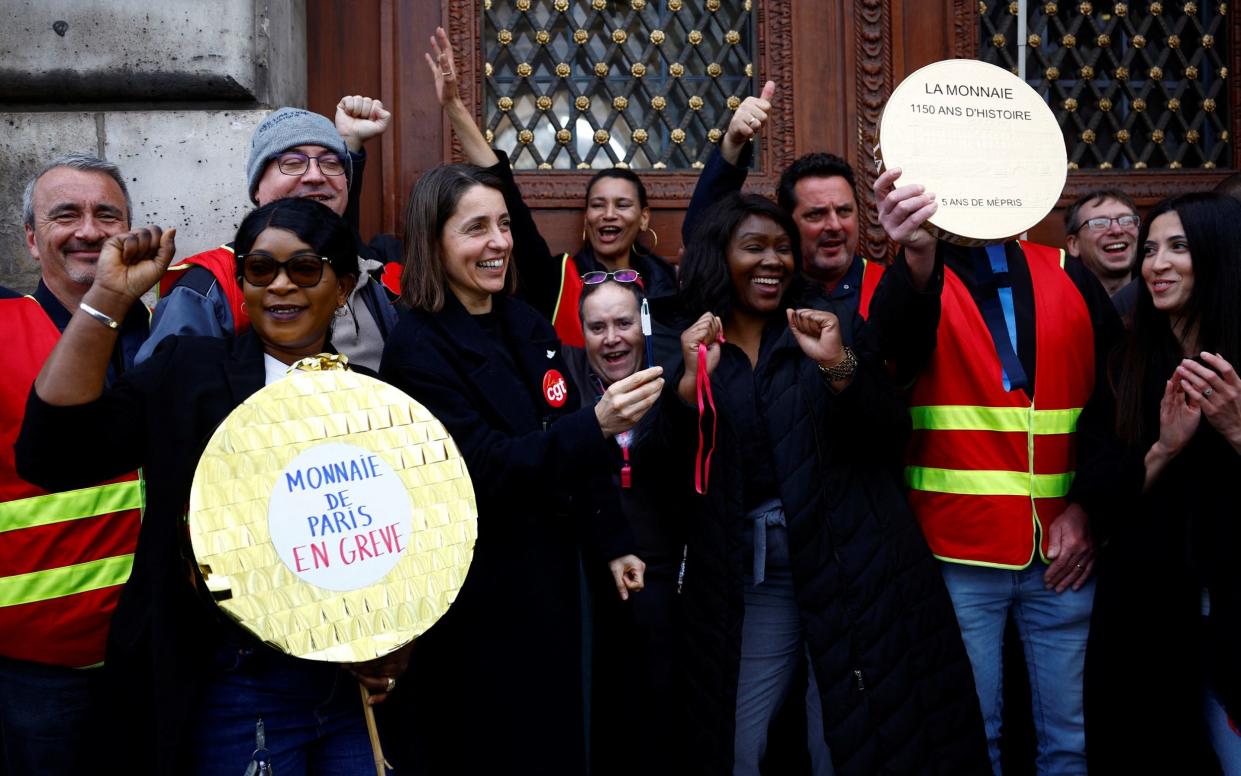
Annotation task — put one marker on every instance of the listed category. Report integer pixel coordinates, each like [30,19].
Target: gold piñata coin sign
[983,141]
[332,516]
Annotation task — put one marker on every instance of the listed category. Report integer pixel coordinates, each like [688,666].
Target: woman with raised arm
[1161,462]
[496,686]
[616,214]
[786,445]
[190,690]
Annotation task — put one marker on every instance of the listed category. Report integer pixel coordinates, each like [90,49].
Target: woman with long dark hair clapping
[1161,458]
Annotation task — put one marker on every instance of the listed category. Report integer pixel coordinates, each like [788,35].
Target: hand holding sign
[903,211]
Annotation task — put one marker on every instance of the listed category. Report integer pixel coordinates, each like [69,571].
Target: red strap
[702,464]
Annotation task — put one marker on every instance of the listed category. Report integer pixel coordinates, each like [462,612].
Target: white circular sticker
[340,517]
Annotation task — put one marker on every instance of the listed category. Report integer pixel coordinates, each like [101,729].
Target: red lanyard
[702,464]
[626,474]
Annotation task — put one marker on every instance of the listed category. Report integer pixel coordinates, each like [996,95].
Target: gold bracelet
[101,317]
[842,371]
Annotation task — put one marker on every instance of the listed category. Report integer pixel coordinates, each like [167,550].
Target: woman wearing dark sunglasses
[188,688]
[616,214]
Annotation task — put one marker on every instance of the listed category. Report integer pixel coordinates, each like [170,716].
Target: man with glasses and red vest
[293,153]
[63,556]
[991,464]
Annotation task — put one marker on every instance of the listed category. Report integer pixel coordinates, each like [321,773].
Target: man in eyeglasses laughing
[1102,227]
[293,153]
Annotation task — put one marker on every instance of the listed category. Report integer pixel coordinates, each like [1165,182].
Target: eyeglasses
[620,276]
[1101,223]
[295,163]
[304,270]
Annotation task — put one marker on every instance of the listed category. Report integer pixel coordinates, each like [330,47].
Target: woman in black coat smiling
[496,686]
[188,689]
[802,542]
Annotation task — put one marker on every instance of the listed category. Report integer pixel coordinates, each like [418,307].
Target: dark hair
[818,165]
[706,284]
[1094,196]
[312,222]
[1209,222]
[622,174]
[433,201]
[588,291]
[1230,186]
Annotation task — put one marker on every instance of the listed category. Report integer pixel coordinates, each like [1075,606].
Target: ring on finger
[1207,393]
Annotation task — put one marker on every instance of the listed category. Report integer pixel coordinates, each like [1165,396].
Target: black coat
[897,688]
[1151,652]
[163,636]
[496,684]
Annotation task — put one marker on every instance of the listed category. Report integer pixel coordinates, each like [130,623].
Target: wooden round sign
[980,139]
[333,517]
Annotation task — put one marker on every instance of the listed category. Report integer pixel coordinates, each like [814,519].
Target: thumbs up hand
[750,117]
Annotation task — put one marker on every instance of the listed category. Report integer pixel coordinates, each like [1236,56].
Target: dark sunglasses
[304,270]
[620,276]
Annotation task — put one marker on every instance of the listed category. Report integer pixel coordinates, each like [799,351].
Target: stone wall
[168,91]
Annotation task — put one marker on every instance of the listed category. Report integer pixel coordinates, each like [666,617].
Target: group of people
[767,509]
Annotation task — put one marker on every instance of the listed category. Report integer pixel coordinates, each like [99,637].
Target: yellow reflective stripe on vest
[564,275]
[988,483]
[66,580]
[70,505]
[956,417]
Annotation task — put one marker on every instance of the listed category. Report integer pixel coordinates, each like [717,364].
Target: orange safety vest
[221,263]
[989,469]
[872,272]
[63,556]
[565,318]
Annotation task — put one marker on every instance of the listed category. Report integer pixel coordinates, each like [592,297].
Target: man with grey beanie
[293,153]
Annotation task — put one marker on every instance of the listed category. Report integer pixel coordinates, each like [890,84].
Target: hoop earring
[341,311]
[654,239]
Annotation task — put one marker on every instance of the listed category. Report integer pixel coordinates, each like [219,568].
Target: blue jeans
[771,643]
[1053,630]
[44,717]
[311,713]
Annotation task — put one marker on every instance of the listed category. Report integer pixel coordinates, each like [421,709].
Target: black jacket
[159,416]
[897,687]
[1152,651]
[496,684]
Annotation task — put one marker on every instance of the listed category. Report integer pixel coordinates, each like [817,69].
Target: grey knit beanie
[288,128]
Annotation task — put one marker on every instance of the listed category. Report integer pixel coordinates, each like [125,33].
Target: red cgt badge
[555,389]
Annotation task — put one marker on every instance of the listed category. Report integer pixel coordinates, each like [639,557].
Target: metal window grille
[582,84]
[1139,85]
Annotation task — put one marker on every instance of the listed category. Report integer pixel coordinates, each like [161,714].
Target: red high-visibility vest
[63,556]
[565,318]
[222,263]
[872,272]
[989,469]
